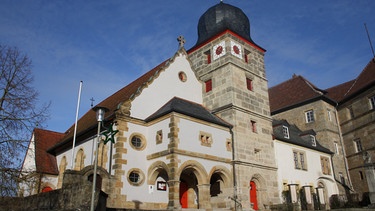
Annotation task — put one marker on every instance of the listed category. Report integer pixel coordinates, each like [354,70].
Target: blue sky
[108,44]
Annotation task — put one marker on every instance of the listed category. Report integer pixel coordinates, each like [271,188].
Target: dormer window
[286,132]
[313,141]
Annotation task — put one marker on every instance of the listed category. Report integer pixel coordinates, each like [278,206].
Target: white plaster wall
[190,140]
[286,170]
[167,86]
[28,166]
[87,147]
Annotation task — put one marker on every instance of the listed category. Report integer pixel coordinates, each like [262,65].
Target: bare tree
[19,114]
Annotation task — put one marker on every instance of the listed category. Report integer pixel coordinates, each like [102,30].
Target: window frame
[208,85]
[310,116]
[325,164]
[372,102]
[300,161]
[313,140]
[142,139]
[358,145]
[286,132]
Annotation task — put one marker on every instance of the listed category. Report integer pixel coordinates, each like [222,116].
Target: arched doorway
[98,180]
[253,195]
[188,189]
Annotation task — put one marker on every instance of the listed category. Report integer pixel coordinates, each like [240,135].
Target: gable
[167,85]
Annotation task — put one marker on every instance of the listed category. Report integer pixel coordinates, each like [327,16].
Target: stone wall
[74,195]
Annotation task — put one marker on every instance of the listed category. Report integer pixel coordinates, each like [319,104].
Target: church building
[193,132]
[202,130]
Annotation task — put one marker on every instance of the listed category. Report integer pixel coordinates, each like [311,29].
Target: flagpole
[76,121]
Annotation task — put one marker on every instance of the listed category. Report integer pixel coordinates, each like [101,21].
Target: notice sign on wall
[162,186]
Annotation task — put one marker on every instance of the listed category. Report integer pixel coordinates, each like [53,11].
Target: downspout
[343,147]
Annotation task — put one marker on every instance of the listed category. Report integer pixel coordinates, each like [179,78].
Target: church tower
[231,67]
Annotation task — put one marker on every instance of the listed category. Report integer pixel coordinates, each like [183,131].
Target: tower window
[253,126]
[208,84]
[208,56]
[249,84]
[247,56]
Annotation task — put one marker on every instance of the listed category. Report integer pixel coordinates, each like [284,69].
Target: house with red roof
[343,119]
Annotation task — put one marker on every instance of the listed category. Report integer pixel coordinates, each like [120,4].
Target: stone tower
[231,68]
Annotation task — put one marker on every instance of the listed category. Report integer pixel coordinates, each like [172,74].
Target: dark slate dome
[222,17]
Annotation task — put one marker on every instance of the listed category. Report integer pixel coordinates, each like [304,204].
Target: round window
[137,141]
[135,177]
[182,76]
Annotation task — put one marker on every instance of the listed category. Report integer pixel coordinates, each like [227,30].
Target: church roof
[188,108]
[350,89]
[296,136]
[294,92]
[45,162]
[87,124]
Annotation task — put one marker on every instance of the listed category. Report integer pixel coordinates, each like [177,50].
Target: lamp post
[100,112]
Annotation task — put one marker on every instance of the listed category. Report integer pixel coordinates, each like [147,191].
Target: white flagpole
[75,125]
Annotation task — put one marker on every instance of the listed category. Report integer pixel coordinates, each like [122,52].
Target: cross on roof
[181,41]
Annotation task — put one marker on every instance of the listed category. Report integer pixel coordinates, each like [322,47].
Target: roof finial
[181,41]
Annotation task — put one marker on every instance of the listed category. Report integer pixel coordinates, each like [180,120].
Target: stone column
[293,193]
[308,197]
[320,193]
[174,195]
[204,200]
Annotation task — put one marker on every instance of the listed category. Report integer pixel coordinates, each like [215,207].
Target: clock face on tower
[235,49]
[219,50]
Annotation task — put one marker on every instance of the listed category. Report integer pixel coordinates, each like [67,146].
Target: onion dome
[220,18]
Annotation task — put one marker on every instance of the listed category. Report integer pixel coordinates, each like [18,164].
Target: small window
[336,148]
[313,140]
[159,137]
[182,76]
[358,145]
[309,116]
[249,84]
[326,166]
[253,126]
[208,56]
[208,84]
[138,142]
[205,139]
[329,113]
[247,56]
[135,177]
[342,178]
[351,112]
[372,102]
[361,175]
[286,131]
[299,158]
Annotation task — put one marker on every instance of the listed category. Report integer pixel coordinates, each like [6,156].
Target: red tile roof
[88,121]
[294,91]
[350,89]
[44,139]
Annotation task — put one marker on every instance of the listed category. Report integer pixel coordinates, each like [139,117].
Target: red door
[183,195]
[253,195]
